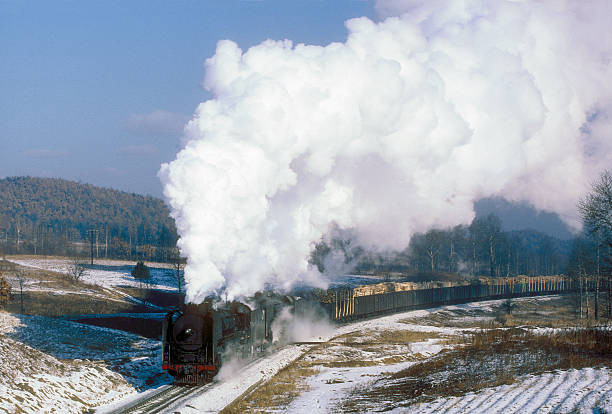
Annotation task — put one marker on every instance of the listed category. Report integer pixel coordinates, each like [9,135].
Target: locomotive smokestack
[398,129]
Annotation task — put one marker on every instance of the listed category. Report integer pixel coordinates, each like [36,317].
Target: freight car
[347,305]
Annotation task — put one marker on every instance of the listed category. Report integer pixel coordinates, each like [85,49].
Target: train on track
[197,339]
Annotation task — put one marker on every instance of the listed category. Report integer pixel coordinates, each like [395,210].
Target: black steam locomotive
[197,339]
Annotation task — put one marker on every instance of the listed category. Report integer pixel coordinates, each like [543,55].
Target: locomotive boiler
[197,339]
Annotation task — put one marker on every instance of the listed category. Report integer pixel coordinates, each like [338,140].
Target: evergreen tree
[141,271]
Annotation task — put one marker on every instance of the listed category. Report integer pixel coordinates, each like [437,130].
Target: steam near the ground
[311,325]
[307,327]
[232,367]
[398,129]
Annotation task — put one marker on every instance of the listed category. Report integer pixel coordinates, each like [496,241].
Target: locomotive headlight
[184,334]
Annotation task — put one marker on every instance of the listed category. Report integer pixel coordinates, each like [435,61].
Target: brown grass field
[490,348]
[489,358]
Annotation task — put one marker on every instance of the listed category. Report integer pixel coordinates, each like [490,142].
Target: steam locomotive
[196,339]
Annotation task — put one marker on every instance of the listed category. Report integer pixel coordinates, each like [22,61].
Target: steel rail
[160,400]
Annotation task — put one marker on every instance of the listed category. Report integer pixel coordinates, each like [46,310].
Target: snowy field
[86,367]
[331,385]
[53,365]
[343,370]
[105,273]
[586,390]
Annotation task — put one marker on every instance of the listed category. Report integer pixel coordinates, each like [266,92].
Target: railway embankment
[475,357]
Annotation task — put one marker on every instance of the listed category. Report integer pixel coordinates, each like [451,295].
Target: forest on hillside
[53,216]
[481,248]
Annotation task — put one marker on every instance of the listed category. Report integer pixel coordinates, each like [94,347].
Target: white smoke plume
[311,326]
[398,129]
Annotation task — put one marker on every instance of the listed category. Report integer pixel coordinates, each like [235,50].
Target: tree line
[591,256]
[481,249]
[52,216]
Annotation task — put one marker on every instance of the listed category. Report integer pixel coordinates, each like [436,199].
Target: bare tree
[433,242]
[596,211]
[508,306]
[596,207]
[581,264]
[76,269]
[456,243]
[492,226]
[485,235]
[426,249]
[20,274]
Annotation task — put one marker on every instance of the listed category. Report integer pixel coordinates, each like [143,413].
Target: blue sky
[97,91]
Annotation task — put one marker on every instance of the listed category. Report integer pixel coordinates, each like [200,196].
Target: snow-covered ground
[234,384]
[231,386]
[334,383]
[69,367]
[586,390]
[53,365]
[105,273]
[336,378]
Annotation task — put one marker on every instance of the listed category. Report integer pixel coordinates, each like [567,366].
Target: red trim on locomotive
[198,368]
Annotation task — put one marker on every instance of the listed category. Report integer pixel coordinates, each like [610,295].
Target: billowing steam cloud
[396,130]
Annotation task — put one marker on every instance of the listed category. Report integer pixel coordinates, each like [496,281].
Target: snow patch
[588,390]
[53,364]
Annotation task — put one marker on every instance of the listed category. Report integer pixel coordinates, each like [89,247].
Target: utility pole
[21,279]
[18,234]
[92,233]
[177,266]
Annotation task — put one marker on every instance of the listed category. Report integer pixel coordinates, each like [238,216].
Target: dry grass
[489,358]
[388,337]
[51,279]
[344,351]
[48,304]
[404,336]
[90,299]
[555,312]
[370,348]
[397,359]
[157,297]
[456,319]
[276,393]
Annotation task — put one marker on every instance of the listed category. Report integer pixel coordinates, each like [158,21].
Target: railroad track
[162,400]
[167,395]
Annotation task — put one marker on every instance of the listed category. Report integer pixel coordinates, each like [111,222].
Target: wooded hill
[56,216]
